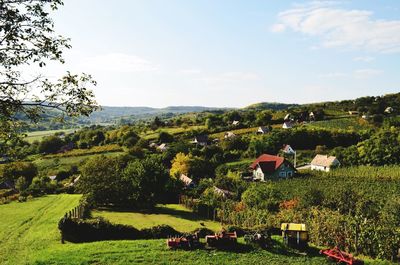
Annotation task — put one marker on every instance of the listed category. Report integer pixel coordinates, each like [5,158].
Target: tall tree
[28,39]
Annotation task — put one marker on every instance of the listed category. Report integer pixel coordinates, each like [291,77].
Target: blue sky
[232,53]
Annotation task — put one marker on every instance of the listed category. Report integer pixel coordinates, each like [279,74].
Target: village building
[262,130]
[188,182]
[270,167]
[229,135]
[223,193]
[235,123]
[353,112]
[288,125]
[311,116]
[324,163]
[201,140]
[153,145]
[162,147]
[389,110]
[287,149]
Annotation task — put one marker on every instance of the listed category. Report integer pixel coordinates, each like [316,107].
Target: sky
[231,53]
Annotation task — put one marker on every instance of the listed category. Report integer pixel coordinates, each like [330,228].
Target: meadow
[38,135]
[174,215]
[55,164]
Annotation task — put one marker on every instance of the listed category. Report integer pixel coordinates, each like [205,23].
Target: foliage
[102,180]
[26,27]
[262,197]
[50,144]
[15,170]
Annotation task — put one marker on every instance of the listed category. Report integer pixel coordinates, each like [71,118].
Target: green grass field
[37,136]
[29,235]
[63,163]
[174,215]
[152,135]
[346,123]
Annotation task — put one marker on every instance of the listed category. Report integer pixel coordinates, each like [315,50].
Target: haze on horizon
[232,54]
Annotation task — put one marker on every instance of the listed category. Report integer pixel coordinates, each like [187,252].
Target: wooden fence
[76,213]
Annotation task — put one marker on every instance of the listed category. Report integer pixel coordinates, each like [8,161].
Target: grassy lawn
[174,215]
[59,163]
[28,228]
[29,235]
[37,136]
[151,135]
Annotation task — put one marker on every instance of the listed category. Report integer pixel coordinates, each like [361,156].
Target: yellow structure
[294,234]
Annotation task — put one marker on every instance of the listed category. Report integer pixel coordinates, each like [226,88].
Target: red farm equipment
[183,242]
[340,256]
[222,240]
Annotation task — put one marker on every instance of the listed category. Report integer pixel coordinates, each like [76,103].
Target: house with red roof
[270,167]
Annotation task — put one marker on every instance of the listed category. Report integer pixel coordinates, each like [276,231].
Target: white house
[324,163]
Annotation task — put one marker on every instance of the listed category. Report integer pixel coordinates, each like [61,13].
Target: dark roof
[268,163]
[202,138]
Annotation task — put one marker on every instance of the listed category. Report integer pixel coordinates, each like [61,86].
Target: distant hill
[109,114]
[271,105]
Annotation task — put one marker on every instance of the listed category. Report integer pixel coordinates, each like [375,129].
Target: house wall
[283,172]
[320,168]
[258,174]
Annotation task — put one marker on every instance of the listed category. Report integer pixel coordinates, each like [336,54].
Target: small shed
[235,123]
[294,234]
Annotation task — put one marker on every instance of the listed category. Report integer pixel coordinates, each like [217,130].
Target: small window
[290,174]
[282,174]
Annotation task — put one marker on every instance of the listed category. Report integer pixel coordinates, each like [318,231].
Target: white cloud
[365,59]
[278,27]
[118,62]
[337,27]
[367,73]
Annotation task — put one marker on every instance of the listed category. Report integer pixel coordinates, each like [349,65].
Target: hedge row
[98,229]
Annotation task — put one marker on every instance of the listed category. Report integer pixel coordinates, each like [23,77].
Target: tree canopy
[28,39]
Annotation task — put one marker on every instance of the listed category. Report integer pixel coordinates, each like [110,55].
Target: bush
[159,231]
[96,229]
